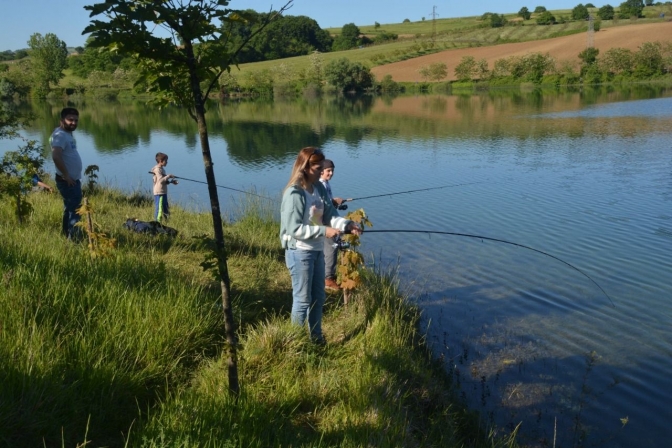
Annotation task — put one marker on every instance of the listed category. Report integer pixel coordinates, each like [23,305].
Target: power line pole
[434,14]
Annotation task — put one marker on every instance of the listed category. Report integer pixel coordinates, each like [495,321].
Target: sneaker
[331,284]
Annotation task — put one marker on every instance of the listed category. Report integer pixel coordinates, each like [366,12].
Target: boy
[161,181]
[330,244]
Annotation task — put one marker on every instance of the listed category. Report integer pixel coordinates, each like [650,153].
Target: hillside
[564,48]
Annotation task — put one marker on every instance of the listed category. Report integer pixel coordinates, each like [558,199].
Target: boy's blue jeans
[306,268]
[72,200]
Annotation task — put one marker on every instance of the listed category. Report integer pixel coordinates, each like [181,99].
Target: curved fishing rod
[410,191]
[226,188]
[498,241]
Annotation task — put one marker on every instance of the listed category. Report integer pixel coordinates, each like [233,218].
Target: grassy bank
[126,350]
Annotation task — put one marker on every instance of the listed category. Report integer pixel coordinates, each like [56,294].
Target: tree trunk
[224,281]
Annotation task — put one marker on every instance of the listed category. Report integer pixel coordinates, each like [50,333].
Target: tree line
[626,10]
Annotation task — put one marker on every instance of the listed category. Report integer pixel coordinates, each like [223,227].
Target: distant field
[458,37]
[564,48]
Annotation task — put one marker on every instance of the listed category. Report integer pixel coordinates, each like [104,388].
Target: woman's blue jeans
[72,200]
[306,268]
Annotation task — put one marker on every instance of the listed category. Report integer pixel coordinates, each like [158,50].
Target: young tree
[196,52]
[49,56]
[524,13]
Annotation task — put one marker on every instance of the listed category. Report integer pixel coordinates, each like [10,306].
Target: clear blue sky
[67,18]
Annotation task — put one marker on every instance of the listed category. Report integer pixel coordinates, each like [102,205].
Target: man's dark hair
[161,157]
[69,111]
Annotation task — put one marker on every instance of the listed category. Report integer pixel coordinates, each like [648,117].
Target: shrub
[389,85]
[348,76]
[546,18]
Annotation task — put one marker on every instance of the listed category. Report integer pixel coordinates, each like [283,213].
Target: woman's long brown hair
[307,156]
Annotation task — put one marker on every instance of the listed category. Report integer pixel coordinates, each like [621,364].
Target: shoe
[331,285]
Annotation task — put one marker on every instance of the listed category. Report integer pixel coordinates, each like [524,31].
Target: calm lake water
[583,176]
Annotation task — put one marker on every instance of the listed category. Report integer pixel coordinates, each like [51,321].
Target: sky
[67,18]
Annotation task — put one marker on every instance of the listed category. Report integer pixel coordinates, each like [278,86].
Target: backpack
[150,227]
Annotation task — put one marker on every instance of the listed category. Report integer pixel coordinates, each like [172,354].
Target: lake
[572,339]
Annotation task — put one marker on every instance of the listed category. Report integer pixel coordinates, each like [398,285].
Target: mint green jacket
[291,216]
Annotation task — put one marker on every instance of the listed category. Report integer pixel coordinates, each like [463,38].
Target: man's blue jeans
[72,200]
[306,268]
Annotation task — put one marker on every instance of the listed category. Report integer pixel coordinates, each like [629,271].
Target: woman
[307,216]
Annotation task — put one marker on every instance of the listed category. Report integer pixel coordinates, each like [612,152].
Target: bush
[348,76]
[546,18]
[7,89]
[385,37]
[388,85]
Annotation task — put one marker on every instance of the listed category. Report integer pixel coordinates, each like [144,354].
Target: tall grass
[126,350]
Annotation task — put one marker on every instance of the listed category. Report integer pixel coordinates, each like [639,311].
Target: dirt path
[564,48]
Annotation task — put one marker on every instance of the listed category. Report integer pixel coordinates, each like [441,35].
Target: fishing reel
[342,207]
[342,245]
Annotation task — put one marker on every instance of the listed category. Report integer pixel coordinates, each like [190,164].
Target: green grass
[126,350]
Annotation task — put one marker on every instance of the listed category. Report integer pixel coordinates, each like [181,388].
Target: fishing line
[410,191]
[499,241]
[226,188]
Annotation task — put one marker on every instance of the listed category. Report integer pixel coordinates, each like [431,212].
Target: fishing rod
[429,232]
[222,186]
[410,191]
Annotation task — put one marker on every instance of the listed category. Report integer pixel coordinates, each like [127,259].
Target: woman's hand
[330,232]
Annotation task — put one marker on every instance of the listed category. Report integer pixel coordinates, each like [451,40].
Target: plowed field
[564,48]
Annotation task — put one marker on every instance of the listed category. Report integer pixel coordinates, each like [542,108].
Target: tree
[539,9]
[524,13]
[466,69]
[290,36]
[49,57]
[606,12]
[648,2]
[588,59]
[617,61]
[649,60]
[376,25]
[434,72]
[196,53]
[349,37]
[348,76]
[631,8]
[497,20]
[580,12]
[546,18]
